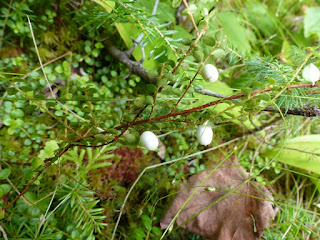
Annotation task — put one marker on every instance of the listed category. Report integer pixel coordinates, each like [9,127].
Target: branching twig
[3,233]
[138,69]
[134,67]
[312,111]
[49,162]
[192,46]
[233,97]
[194,77]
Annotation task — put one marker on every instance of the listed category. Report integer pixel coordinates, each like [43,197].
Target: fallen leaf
[240,215]
[162,150]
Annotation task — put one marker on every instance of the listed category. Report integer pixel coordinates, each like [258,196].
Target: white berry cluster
[204,134]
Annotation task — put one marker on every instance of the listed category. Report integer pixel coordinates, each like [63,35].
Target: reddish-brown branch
[196,109]
[123,131]
[48,163]
[194,77]
[29,184]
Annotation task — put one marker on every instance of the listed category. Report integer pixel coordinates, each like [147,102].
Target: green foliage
[311,22]
[301,152]
[88,159]
[79,205]
[235,32]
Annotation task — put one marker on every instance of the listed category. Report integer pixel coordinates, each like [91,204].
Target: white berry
[210,73]
[311,73]
[204,134]
[149,140]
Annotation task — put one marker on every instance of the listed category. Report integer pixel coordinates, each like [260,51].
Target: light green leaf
[129,32]
[108,5]
[176,3]
[98,165]
[48,151]
[312,22]
[259,16]
[224,89]
[235,32]
[5,173]
[301,152]
[36,162]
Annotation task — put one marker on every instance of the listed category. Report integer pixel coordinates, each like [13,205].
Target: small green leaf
[176,3]
[139,233]
[130,138]
[5,173]
[37,162]
[149,100]
[17,113]
[156,231]
[146,222]
[12,91]
[98,45]
[208,40]
[48,151]
[186,41]
[101,137]
[162,82]
[139,101]
[198,55]
[58,69]
[219,53]
[2,213]
[4,189]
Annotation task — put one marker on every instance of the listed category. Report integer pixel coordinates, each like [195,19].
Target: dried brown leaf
[240,215]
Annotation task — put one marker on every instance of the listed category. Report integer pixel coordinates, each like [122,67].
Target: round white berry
[311,73]
[149,140]
[204,134]
[210,73]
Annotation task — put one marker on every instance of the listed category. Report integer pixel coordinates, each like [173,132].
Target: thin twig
[49,162]
[17,191]
[3,233]
[256,152]
[312,111]
[158,91]
[191,17]
[5,23]
[192,46]
[39,58]
[123,131]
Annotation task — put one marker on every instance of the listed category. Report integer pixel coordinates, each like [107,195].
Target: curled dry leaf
[162,150]
[232,215]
